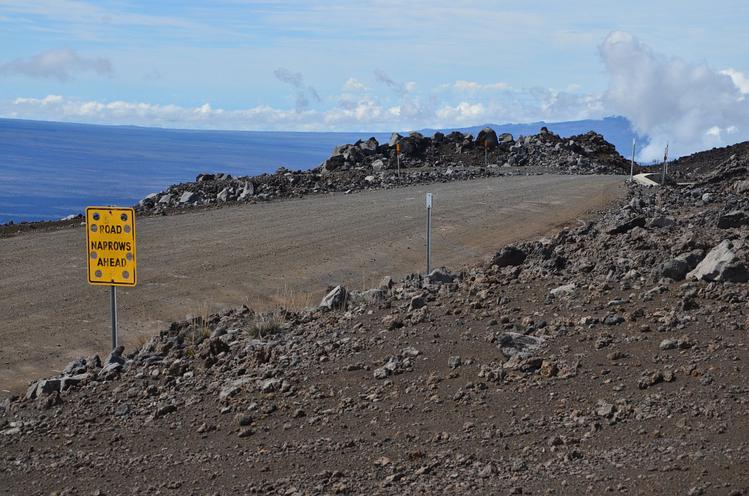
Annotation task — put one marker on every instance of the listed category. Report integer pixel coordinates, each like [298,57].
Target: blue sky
[379,65]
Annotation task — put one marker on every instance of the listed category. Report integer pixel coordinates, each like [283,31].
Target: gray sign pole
[632,166]
[429,232]
[113,301]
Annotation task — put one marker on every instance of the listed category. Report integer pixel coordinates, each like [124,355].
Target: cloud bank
[691,106]
[60,64]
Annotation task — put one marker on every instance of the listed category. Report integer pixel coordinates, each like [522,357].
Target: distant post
[664,166]
[632,166]
[429,232]
[398,158]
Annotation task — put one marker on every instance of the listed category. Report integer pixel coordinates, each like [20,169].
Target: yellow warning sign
[397,148]
[110,246]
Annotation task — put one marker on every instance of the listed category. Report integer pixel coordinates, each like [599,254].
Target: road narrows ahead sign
[110,245]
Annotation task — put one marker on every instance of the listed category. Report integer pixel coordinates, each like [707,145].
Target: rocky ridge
[609,357]
[367,164]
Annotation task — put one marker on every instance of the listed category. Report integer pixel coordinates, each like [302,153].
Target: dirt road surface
[263,255]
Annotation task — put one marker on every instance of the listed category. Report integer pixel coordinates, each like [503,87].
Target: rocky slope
[609,357]
[369,164]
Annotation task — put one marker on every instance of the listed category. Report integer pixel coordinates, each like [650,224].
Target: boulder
[333,163]
[416,303]
[721,264]
[565,290]
[335,299]
[661,221]
[741,187]
[675,269]
[110,372]
[115,356]
[223,195]
[149,200]
[735,218]
[369,146]
[72,381]
[77,366]
[368,297]
[440,276]
[487,137]
[692,258]
[509,256]
[42,388]
[189,197]
[624,224]
[248,190]
[515,344]
[165,199]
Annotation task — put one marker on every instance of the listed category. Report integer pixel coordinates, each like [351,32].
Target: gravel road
[263,255]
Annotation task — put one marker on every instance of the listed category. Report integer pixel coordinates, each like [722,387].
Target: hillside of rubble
[609,357]
[403,161]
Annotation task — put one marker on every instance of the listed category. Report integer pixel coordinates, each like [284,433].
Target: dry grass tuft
[266,324]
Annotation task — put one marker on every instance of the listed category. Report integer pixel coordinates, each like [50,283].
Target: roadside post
[398,158]
[110,252]
[429,232]
[632,166]
[486,153]
[664,167]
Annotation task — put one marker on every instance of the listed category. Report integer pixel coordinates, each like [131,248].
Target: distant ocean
[49,170]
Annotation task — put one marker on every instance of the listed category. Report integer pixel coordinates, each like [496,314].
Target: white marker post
[429,232]
[664,167]
[632,166]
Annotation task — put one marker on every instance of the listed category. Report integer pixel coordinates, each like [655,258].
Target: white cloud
[738,78]
[58,64]
[363,112]
[353,84]
[689,106]
[467,86]
[463,113]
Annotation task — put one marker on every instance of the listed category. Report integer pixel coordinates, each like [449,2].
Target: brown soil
[282,253]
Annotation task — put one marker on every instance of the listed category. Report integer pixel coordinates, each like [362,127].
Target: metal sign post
[398,158]
[110,249]
[429,232]
[113,303]
[632,166]
[664,167]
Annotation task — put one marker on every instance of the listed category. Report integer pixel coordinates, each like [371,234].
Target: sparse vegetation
[266,324]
